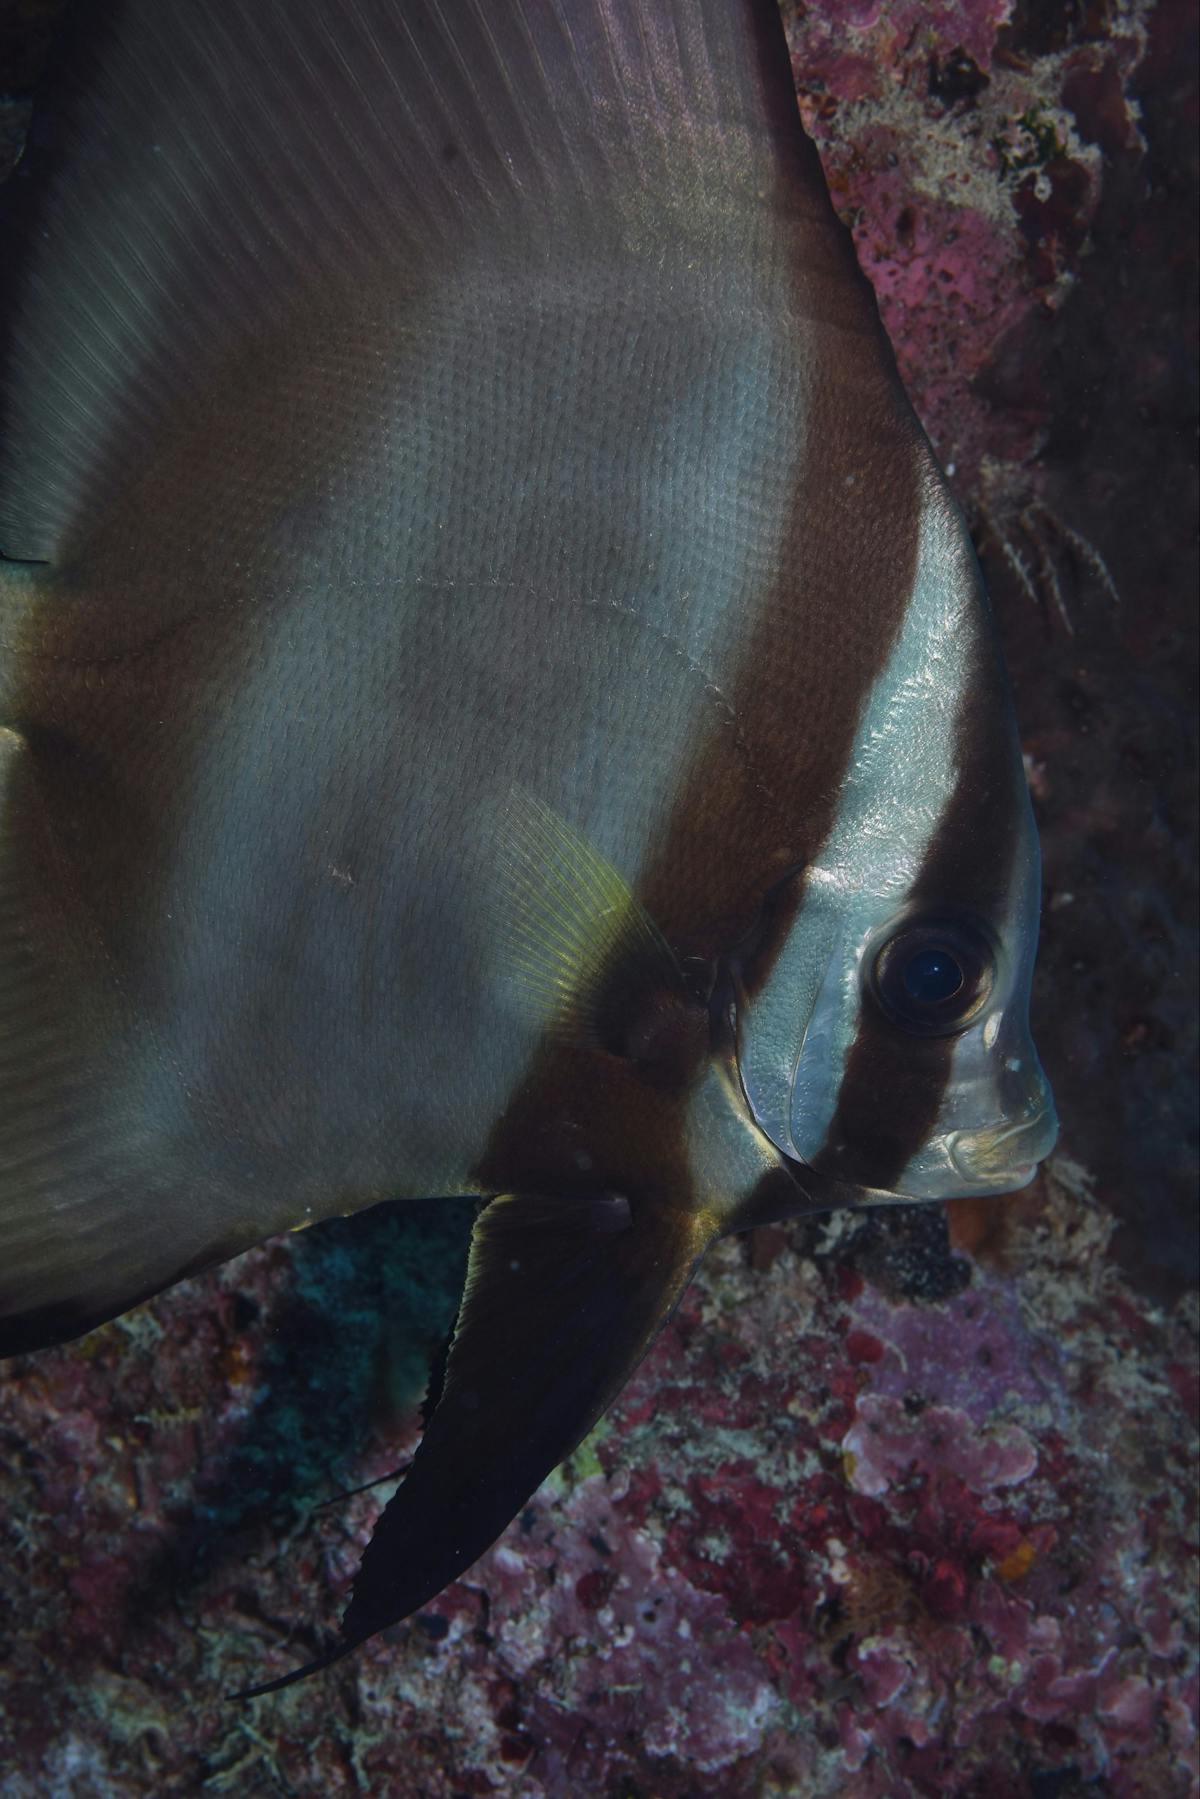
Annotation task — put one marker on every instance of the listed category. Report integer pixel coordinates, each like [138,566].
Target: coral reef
[901,1503]
[831,1539]
[967,155]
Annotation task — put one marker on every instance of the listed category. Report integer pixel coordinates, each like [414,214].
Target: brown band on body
[762,790]
[144,628]
[893,1085]
[754,809]
[753,812]
[130,664]
[585,1122]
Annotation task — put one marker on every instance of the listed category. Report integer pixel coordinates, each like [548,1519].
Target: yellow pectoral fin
[581,957]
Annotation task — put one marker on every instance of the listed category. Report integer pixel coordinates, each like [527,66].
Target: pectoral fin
[580,949]
[562,1299]
[583,959]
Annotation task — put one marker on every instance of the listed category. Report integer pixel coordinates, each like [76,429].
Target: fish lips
[997,1159]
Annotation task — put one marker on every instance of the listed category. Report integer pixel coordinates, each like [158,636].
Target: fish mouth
[1004,1155]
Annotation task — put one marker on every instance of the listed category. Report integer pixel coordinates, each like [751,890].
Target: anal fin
[562,1299]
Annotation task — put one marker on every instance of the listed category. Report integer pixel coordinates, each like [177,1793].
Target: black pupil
[931,976]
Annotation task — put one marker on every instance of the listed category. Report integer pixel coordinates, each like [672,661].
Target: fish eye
[932,975]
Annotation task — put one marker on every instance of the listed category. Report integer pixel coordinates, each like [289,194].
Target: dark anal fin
[562,1299]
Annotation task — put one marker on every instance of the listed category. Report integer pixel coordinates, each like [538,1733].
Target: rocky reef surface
[901,1503]
[879,1515]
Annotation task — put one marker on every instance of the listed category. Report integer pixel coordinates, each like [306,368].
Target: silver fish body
[496,694]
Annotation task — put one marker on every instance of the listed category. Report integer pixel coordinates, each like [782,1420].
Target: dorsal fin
[215,164]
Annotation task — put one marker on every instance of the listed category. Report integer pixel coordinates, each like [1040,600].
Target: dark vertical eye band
[932,975]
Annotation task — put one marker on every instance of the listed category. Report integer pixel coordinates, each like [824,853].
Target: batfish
[496,696]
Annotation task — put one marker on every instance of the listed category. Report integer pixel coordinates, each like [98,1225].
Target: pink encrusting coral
[969,170]
[829,1541]
[888,1441]
[888,37]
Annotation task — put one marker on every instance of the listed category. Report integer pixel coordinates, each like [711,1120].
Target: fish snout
[994,1127]
[1005,1155]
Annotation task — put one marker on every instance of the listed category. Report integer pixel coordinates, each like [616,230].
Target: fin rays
[568,924]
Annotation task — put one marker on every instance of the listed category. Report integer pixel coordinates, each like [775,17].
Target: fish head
[884,1039]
